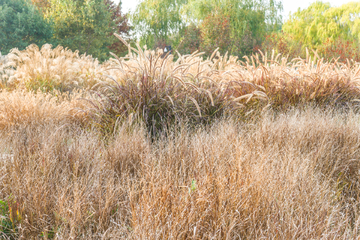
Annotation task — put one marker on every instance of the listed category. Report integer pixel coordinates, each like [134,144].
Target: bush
[284,44]
[340,49]
[191,40]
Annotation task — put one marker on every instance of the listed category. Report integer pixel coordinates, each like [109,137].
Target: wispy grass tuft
[19,109]
[160,92]
[50,69]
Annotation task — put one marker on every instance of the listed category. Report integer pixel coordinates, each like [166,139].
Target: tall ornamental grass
[154,146]
[290,176]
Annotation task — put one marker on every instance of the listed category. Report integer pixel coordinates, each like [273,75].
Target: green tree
[121,26]
[21,24]
[83,25]
[320,23]
[159,21]
[191,39]
[237,25]
[41,4]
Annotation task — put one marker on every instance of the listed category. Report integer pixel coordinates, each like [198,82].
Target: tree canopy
[321,22]
[83,25]
[157,20]
[237,25]
[244,22]
[120,26]
[21,24]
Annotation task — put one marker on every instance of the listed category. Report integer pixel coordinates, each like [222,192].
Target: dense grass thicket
[154,146]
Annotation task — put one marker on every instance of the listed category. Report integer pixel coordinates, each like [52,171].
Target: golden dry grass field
[180,147]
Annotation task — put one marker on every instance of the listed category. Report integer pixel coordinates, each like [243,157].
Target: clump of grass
[160,92]
[50,69]
[6,71]
[21,108]
[303,81]
[293,175]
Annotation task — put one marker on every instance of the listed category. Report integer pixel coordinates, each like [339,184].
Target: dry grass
[272,78]
[237,154]
[160,91]
[5,71]
[157,90]
[48,69]
[291,176]
[20,108]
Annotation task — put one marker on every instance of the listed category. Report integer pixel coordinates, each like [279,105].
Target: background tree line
[83,25]
[334,32]
[239,27]
[242,27]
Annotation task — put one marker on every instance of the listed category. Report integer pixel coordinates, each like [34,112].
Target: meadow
[149,146]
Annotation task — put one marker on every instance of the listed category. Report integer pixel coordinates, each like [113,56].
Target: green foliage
[193,186]
[242,12]
[5,223]
[332,31]
[238,25]
[191,40]
[10,217]
[21,24]
[82,25]
[121,26]
[283,43]
[319,23]
[216,32]
[157,20]
[340,49]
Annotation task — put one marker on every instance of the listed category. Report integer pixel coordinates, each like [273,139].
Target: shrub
[283,43]
[340,49]
[191,40]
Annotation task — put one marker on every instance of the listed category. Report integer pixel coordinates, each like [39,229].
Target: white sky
[289,5]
